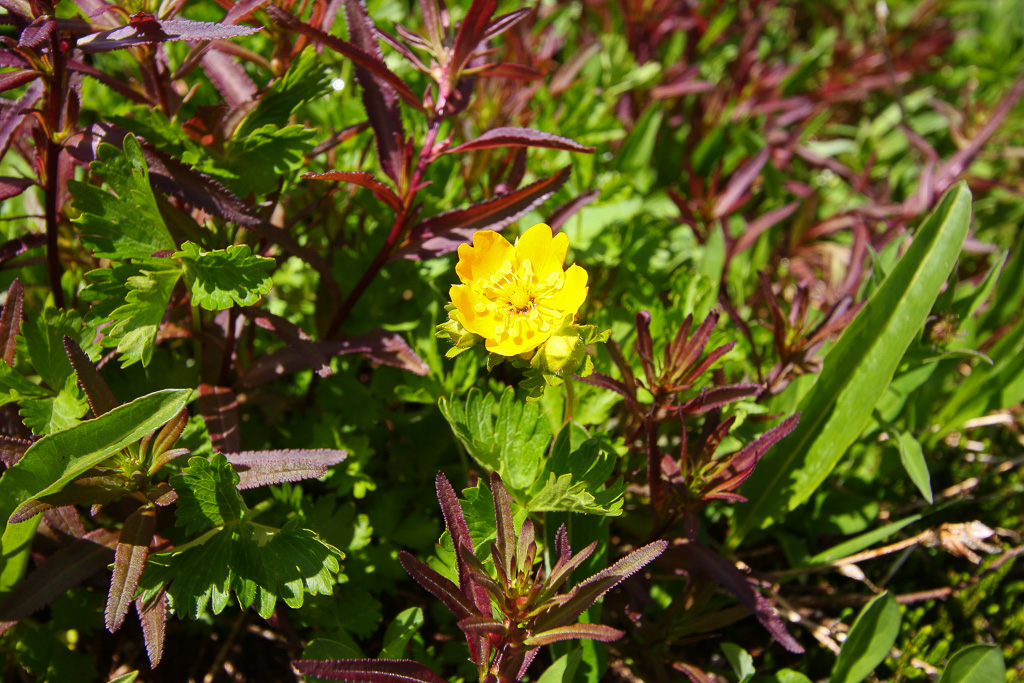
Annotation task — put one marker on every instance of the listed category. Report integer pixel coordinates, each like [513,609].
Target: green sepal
[453,330]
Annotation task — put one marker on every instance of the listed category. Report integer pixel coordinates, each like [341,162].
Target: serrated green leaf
[128,225]
[912,457]
[871,637]
[975,664]
[41,343]
[512,443]
[259,564]
[54,413]
[137,320]
[207,494]
[307,78]
[857,371]
[224,277]
[574,479]
[18,386]
[257,162]
[52,462]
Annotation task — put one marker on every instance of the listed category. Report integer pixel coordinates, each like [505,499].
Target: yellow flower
[515,297]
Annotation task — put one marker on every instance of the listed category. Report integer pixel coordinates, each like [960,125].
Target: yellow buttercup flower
[515,297]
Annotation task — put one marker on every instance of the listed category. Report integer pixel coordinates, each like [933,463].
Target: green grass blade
[857,370]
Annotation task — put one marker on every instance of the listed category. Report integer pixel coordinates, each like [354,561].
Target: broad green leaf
[53,461]
[224,277]
[54,413]
[18,386]
[128,224]
[136,322]
[256,163]
[740,660]
[41,343]
[913,460]
[789,676]
[511,443]
[400,631]
[307,78]
[574,480]
[259,564]
[869,640]
[564,668]
[975,664]
[207,494]
[857,371]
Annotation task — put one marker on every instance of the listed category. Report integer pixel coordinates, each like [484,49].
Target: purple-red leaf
[562,214]
[506,530]
[444,232]
[362,179]
[519,72]
[12,187]
[145,28]
[388,348]
[359,57]
[294,336]
[605,634]
[735,192]
[741,464]
[10,321]
[759,225]
[379,97]
[508,136]
[482,626]
[505,22]
[153,618]
[240,10]
[726,573]
[19,245]
[219,409]
[97,393]
[262,468]
[129,561]
[10,80]
[229,77]
[36,33]
[472,31]
[455,522]
[11,117]
[367,670]
[62,571]
[439,586]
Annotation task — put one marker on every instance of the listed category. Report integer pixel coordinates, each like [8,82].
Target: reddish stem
[54,105]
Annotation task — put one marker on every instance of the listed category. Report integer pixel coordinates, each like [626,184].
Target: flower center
[517,299]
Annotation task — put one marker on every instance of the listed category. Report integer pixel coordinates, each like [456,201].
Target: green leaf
[857,371]
[564,668]
[871,637]
[52,462]
[207,494]
[511,443]
[913,460]
[259,564]
[574,480]
[307,78]
[41,343]
[128,225]
[865,540]
[18,386]
[257,162]
[975,664]
[224,277]
[54,413]
[136,322]
[740,660]
[789,676]
[400,631]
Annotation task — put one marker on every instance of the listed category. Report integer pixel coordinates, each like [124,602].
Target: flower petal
[546,253]
[465,299]
[572,294]
[528,340]
[481,260]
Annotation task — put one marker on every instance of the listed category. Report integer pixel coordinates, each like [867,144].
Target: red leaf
[562,214]
[63,570]
[739,183]
[444,232]
[455,522]
[15,79]
[242,9]
[129,561]
[505,526]
[294,336]
[145,28]
[358,56]
[153,618]
[600,632]
[219,409]
[12,187]
[505,22]
[229,77]
[388,348]
[11,117]
[367,670]
[97,393]
[742,463]
[507,136]
[38,32]
[262,468]
[10,321]
[118,85]
[758,226]
[472,31]
[362,179]
[437,585]
[519,72]
[379,97]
